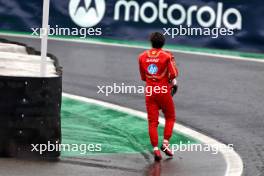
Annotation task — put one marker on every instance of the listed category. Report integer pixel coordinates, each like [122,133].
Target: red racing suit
[157,67]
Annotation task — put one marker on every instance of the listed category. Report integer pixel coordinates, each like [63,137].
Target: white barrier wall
[12,48]
[14,61]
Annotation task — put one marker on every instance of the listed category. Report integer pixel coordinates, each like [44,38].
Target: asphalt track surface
[219,97]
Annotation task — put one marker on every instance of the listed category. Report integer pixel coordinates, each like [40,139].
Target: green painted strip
[118,132]
[145,44]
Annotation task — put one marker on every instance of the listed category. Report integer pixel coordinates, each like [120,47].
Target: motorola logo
[87,13]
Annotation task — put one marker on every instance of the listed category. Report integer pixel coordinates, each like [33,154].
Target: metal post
[44,37]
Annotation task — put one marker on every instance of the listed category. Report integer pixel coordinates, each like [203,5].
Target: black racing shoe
[165,148]
[157,155]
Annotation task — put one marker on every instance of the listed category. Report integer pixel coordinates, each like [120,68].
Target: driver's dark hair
[157,40]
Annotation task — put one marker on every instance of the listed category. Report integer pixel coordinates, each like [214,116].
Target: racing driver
[158,69]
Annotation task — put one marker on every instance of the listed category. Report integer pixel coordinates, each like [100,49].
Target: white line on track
[233,161]
[224,56]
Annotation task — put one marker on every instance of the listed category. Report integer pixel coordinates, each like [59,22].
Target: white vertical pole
[44,37]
